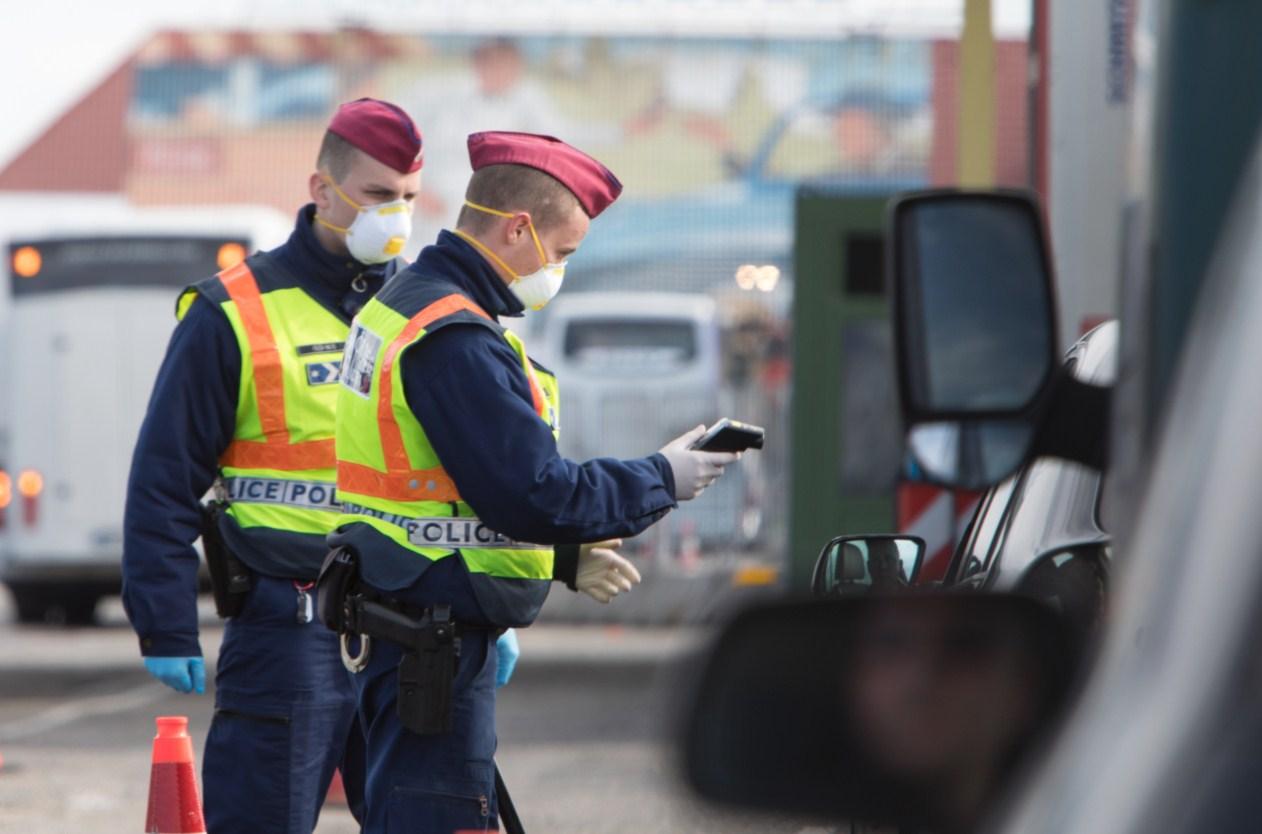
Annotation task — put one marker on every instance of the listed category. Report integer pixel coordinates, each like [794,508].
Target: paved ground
[584,741]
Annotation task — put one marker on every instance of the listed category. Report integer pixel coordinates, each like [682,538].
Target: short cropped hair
[516,188]
[336,156]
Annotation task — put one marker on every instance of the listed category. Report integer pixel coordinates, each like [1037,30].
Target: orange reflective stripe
[392,447]
[400,482]
[269,384]
[287,457]
[536,391]
[414,485]
[275,451]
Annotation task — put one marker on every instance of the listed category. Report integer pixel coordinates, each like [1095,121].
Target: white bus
[90,292]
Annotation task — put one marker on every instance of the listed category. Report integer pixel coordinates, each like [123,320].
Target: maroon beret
[381,130]
[593,184]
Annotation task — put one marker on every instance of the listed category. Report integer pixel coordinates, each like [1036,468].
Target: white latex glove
[694,470]
[602,573]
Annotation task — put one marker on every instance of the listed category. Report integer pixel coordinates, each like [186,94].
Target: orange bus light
[27,262]
[230,254]
[30,483]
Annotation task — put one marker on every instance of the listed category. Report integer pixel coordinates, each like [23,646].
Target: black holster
[427,670]
[230,580]
[338,580]
[430,642]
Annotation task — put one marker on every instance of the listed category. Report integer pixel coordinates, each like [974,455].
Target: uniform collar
[312,260]
[459,262]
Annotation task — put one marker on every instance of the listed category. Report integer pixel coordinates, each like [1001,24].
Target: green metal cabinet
[846,440]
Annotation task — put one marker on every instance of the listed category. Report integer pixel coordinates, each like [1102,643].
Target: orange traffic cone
[174,804]
[337,791]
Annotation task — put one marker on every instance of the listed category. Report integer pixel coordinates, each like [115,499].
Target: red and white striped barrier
[940,517]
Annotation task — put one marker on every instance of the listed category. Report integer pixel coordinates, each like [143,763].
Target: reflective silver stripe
[314,495]
[447,532]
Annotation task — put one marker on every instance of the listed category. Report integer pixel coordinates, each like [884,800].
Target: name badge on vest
[360,360]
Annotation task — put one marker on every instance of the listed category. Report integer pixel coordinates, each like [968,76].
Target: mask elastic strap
[342,194]
[480,246]
[488,209]
[543,257]
[328,225]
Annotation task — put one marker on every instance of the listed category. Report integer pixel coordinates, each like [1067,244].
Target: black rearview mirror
[858,564]
[910,709]
[976,330]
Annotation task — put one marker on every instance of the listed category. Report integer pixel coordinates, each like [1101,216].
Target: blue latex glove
[183,674]
[508,651]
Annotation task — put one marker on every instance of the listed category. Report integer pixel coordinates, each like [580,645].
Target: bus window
[82,263]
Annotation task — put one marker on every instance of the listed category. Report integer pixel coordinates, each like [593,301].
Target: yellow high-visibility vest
[279,471]
[395,493]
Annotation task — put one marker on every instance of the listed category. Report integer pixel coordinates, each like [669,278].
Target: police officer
[244,399]
[448,470]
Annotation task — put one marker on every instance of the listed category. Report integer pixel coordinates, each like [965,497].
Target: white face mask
[535,290]
[539,287]
[378,233]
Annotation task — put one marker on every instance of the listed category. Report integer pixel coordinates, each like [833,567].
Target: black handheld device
[730,436]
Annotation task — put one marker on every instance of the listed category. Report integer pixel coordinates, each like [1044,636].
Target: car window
[973,553]
[1055,505]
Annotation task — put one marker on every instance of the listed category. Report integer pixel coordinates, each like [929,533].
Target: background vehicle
[624,355]
[92,303]
[638,367]
[1044,521]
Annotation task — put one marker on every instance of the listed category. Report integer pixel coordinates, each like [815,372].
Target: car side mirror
[975,328]
[858,564]
[911,709]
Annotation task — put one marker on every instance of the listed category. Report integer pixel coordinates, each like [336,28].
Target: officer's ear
[517,228]
[321,193]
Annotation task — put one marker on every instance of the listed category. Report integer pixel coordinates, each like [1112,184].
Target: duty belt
[446,532]
[312,495]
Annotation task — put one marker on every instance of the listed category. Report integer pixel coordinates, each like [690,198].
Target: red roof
[84,150]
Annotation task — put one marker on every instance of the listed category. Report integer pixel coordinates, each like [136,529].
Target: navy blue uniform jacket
[466,387]
[189,424]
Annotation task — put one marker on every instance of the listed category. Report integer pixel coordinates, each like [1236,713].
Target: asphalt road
[584,731]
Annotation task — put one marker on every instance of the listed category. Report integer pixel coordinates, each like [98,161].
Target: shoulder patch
[323,373]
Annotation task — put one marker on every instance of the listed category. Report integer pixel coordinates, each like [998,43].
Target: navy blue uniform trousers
[284,720]
[432,784]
